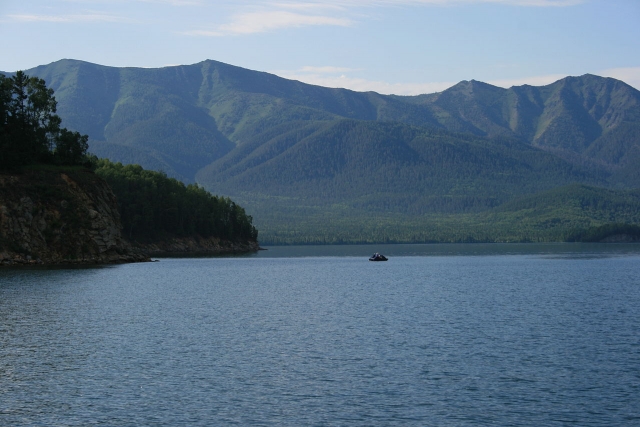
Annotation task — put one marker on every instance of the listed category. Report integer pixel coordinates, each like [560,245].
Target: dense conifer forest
[30,129]
[152,206]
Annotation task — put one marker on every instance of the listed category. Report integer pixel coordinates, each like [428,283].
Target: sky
[404,47]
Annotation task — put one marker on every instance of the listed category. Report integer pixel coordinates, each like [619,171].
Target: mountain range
[290,151]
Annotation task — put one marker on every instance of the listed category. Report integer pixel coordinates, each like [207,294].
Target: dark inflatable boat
[377,257]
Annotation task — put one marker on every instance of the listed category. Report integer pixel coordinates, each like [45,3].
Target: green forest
[475,163]
[30,129]
[152,206]
[572,213]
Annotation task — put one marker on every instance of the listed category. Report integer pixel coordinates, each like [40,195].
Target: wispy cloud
[536,3]
[337,77]
[375,3]
[260,22]
[531,80]
[268,15]
[72,18]
[629,75]
[124,2]
[325,70]
[309,6]
[174,2]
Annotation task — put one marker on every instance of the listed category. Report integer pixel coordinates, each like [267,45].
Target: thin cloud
[74,18]
[532,80]
[363,85]
[174,2]
[260,22]
[268,16]
[374,3]
[308,6]
[118,2]
[325,70]
[629,75]
[336,77]
[203,33]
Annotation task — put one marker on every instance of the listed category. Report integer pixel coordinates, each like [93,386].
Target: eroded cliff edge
[49,216]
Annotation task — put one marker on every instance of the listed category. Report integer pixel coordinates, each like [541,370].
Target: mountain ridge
[220,106]
[276,144]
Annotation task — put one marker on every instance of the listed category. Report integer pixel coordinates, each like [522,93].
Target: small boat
[377,257]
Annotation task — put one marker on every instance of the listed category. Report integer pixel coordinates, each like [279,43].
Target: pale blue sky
[401,46]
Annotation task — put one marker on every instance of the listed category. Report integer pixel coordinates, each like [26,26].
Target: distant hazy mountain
[587,118]
[254,135]
[185,117]
[389,166]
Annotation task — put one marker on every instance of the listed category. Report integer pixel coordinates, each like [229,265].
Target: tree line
[30,130]
[153,206]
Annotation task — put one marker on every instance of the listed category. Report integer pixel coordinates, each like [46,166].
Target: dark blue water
[442,335]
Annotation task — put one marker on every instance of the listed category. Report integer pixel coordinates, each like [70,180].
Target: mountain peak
[138,115]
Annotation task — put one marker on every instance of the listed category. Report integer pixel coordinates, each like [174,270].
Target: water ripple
[528,339]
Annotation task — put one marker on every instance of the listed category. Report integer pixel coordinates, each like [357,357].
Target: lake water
[440,335]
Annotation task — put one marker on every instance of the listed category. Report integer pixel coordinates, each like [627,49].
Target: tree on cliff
[30,130]
[153,206]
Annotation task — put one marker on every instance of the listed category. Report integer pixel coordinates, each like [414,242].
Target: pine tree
[30,129]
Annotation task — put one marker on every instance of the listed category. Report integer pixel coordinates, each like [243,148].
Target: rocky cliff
[50,216]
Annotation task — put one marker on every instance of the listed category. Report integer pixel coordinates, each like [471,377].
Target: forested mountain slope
[587,118]
[285,149]
[389,167]
[183,118]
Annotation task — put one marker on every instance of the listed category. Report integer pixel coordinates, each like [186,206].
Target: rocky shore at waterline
[49,217]
[53,217]
[196,245]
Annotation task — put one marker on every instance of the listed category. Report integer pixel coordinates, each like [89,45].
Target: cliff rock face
[54,217]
